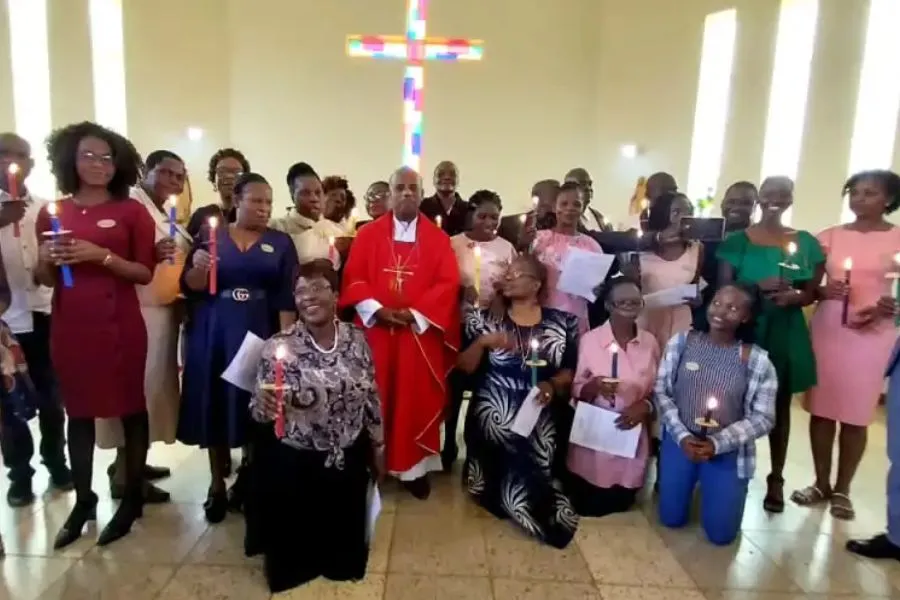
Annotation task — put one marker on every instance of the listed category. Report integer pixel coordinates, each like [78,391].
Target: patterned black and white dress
[507,474]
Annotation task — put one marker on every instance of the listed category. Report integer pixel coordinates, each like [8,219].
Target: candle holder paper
[536,363]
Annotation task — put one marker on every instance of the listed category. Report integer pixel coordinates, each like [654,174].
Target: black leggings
[82,438]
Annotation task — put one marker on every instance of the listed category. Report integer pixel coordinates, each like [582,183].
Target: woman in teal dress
[787,265]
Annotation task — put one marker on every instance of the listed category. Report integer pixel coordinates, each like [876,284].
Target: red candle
[12,180]
[279,391]
[213,254]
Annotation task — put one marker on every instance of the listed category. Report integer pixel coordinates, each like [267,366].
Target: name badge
[267,248]
[692,366]
[106,223]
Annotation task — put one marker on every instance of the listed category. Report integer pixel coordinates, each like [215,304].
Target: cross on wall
[414,48]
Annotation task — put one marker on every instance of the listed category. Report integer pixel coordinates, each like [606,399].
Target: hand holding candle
[280,353]
[845,310]
[57,233]
[212,248]
[707,422]
[12,181]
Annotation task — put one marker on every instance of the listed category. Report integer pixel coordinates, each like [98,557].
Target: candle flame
[534,202]
[13,169]
[848,263]
[477,251]
[354,214]
[280,352]
[213,222]
[439,221]
[791,248]
[523,217]
[614,348]
[638,233]
[172,202]
[712,403]
[534,344]
[331,240]
[897,258]
[51,208]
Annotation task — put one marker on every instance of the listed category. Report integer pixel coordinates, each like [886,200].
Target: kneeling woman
[506,473]
[308,499]
[715,395]
[601,483]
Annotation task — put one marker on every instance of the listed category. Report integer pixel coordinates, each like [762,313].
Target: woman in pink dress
[551,246]
[669,265]
[851,359]
[478,245]
[601,483]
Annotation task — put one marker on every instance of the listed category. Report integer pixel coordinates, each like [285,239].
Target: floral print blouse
[331,397]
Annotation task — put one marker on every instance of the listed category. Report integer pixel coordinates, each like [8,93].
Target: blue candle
[172,223]
[57,233]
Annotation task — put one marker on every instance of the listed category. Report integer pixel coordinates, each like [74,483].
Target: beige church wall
[71,74]
[522,114]
[7,111]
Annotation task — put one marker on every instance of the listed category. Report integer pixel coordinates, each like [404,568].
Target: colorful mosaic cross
[415,49]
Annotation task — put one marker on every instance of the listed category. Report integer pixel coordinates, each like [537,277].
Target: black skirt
[592,501]
[306,520]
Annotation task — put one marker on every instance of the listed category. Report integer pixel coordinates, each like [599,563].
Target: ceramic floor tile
[380,550]
[196,582]
[109,580]
[371,588]
[448,497]
[630,556]
[222,544]
[617,592]
[35,534]
[415,587]
[164,535]
[508,589]
[27,577]
[438,545]
[754,595]
[514,555]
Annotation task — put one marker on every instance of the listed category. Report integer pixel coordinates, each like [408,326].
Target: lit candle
[213,254]
[12,180]
[280,353]
[439,221]
[614,352]
[55,226]
[845,310]
[788,256]
[535,359]
[711,405]
[522,218]
[332,251]
[354,217]
[172,205]
[476,254]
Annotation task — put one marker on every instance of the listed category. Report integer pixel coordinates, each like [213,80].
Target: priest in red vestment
[403,281]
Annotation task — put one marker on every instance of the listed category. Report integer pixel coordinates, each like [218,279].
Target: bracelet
[107,259]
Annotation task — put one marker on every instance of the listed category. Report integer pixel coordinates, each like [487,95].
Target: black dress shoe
[152,494]
[82,512]
[152,473]
[877,547]
[420,488]
[20,493]
[61,478]
[128,512]
[216,507]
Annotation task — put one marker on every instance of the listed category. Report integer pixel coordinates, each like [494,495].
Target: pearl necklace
[320,348]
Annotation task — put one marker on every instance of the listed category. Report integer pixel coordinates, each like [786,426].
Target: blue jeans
[893,451]
[722,492]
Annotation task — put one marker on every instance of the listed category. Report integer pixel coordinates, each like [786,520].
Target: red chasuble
[410,368]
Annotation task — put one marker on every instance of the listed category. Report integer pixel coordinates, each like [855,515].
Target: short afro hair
[62,151]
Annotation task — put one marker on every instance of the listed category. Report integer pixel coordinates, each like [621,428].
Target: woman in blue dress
[508,474]
[255,270]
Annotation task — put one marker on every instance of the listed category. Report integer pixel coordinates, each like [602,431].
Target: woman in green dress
[787,265]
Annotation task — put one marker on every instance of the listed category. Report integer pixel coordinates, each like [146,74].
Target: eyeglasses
[629,303]
[316,289]
[512,275]
[226,172]
[103,159]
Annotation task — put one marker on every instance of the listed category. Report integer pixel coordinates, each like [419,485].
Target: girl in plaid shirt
[715,395]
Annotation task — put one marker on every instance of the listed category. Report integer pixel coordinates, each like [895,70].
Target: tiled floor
[446,549]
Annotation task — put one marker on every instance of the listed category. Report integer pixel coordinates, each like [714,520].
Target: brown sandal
[774,501]
[842,507]
[809,496]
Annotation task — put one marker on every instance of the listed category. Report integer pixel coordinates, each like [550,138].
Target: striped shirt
[758,398]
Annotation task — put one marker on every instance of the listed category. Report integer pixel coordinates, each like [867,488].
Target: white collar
[405,232]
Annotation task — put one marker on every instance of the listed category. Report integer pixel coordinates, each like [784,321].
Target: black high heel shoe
[216,507]
[130,510]
[82,512]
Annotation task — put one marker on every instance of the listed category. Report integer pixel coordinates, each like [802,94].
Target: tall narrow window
[794,47]
[878,99]
[31,84]
[711,110]
[108,61]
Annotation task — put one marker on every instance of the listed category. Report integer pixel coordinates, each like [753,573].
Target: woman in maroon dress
[98,341]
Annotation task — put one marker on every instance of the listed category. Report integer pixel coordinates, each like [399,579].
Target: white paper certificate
[674,296]
[582,271]
[528,414]
[241,372]
[595,428]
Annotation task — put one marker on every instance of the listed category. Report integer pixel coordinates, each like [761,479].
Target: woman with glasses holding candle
[715,394]
[109,248]
[483,258]
[376,201]
[851,358]
[254,275]
[310,487]
[551,246]
[225,166]
[617,365]
[787,265]
[530,350]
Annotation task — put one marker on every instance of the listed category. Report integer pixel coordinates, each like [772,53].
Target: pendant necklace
[524,348]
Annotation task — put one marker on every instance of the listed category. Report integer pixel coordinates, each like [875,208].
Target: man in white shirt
[28,316]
